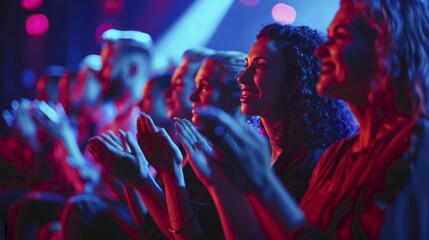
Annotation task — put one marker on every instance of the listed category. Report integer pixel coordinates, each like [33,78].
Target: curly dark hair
[312,120]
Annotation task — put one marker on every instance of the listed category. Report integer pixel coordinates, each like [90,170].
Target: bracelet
[187,225]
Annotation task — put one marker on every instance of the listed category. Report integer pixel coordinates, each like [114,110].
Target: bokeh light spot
[31,4]
[283,13]
[113,6]
[36,24]
[101,29]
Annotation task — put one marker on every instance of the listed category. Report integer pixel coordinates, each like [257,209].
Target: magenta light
[113,6]
[36,24]
[101,29]
[283,13]
[31,4]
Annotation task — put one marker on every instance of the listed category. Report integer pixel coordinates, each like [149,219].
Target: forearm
[276,209]
[182,217]
[236,214]
[154,199]
[135,203]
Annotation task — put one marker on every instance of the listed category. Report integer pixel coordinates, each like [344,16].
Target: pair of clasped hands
[225,150]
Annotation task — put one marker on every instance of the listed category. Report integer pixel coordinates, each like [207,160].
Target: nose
[245,75]
[194,96]
[321,51]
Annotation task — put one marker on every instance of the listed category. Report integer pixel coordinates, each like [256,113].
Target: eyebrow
[257,58]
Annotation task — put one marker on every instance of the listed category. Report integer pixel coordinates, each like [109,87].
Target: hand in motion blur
[20,120]
[53,119]
[241,153]
[157,146]
[122,157]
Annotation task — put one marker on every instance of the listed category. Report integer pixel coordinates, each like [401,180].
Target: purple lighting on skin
[36,24]
[283,13]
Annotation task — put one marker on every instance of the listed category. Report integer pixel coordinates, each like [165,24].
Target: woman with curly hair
[372,185]
[279,85]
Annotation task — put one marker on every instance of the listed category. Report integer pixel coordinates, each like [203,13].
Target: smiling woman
[372,185]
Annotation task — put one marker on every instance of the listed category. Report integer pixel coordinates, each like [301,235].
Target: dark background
[73,24]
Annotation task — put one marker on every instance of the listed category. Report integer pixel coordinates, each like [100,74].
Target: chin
[248,110]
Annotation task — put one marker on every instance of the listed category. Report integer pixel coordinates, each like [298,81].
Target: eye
[262,66]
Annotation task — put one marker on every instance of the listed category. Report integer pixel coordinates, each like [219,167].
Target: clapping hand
[157,146]
[196,146]
[122,157]
[241,153]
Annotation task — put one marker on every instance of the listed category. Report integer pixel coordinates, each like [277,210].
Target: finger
[143,118]
[188,130]
[185,143]
[180,130]
[109,140]
[195,132]
[150,124]
[217,123]
[124,141]
[166,137]
[140,127]
[132,143]
[114,137]
[8,118]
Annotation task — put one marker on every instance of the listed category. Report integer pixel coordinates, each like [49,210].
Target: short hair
[314,120]
[401,42]
[197,54]
[231,63]
[161,82]
[130,41]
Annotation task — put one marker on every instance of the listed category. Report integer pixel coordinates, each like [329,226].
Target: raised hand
[195,146]
[157,146]
[241,153]
[129,165]
[53,119]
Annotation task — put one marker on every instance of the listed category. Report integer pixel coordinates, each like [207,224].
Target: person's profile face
[182,84]
[153,103]
[208,83]
[348,58]
[111,74]
[87,89]
[261,81]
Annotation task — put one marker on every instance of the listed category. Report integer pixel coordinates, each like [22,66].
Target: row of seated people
[301,138]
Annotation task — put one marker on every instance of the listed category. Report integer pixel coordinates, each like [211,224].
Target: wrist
[176,177]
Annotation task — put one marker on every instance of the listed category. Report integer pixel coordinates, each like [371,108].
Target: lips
[247,94]
[327,67]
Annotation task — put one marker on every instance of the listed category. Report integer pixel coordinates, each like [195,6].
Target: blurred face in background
[86,91]
[112,74]
[182,85]
[153,102]
[208,87]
